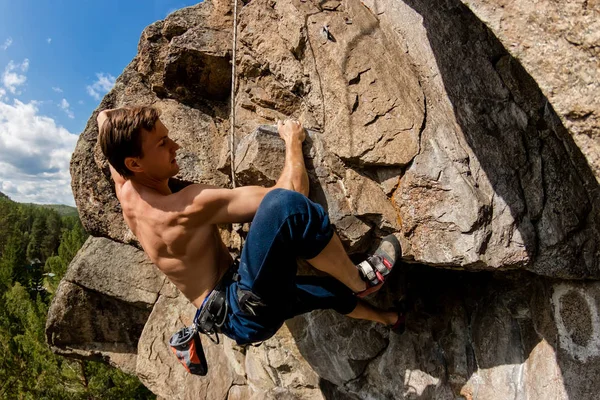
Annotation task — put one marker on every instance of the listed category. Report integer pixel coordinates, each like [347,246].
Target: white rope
[232,113]
[235,226]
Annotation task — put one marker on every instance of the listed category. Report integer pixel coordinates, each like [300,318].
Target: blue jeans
[286,226]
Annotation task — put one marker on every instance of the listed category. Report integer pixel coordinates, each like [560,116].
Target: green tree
[70,243]
[13,261]
[36,235]
[28,368]
[51,240]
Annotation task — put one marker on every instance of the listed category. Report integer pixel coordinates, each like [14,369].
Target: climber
[247,300]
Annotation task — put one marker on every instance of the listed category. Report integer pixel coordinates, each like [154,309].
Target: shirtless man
[178,231]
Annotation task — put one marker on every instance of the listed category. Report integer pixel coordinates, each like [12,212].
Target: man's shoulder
[195,204]
[198,202]
[182,201]
[136,201]
[126,193]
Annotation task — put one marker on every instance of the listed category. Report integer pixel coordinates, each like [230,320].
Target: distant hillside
[3,196]
[64,211]
[61,209]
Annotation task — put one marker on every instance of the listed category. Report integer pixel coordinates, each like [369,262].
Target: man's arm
[102,116]
[293,176]
[214,205]
[117,178]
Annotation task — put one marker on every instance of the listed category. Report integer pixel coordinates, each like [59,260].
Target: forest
[37,244]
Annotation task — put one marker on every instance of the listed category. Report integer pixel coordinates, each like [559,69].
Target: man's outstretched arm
[293,176]
[215,205]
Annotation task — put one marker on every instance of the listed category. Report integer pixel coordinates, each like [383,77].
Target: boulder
[468,128]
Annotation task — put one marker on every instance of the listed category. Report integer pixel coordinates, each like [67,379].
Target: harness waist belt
[213,313]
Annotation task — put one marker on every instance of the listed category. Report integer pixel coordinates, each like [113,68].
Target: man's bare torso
[177,230]
[193,257]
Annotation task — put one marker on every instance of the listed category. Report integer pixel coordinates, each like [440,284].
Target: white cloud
[7,43]
[57,89]
[104,83]
[2,93]
[34,155]
[13,75]
[64,104]
[49,40]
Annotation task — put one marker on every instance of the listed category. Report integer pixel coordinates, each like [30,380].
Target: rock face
[469,128]
[568,74]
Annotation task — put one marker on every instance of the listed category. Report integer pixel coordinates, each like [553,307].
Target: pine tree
[51,240]
[12,263]
[28,369]
[36,235]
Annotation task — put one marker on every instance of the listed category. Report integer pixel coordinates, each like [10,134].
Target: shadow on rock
[535,169]
[486,334]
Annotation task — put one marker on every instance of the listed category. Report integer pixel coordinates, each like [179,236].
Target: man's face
[159,153]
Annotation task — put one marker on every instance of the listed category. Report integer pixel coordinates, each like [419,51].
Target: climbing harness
[211,316]
[209,319]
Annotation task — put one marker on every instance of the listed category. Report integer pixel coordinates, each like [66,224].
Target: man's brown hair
[121,134]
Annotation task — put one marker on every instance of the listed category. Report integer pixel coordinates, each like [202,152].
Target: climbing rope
[233,85]
[235,227]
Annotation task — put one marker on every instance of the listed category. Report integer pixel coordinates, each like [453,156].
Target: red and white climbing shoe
[375,269]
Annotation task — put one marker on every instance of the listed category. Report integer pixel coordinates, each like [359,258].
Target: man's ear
[132,163]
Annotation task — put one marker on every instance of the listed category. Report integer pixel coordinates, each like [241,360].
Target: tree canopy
[37,243]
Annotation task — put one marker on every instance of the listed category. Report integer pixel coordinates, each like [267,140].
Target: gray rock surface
[470,128]
[119,271]
[567,35]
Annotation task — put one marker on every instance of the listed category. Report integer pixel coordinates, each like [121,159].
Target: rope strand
[235,226]
[233,85]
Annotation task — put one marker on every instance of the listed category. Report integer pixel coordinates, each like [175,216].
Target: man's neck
[160,186]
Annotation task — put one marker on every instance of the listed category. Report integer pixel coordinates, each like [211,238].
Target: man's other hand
[291,131]
[102,116]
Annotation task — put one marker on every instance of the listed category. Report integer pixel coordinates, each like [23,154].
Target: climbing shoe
[375,269]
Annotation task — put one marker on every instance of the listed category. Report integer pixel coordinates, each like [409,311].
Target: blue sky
[57,60]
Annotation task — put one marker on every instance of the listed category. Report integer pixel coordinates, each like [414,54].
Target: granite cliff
[470,128]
